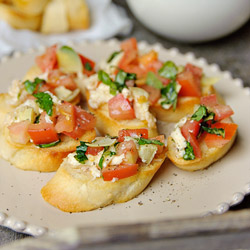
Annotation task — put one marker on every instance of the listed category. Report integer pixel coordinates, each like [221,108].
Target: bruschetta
[173,90]
[107,170]
[201,139]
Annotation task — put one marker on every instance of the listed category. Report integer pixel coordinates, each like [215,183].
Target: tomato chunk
[160,138]
[120,172]
[222,112]
[88,65]
[154,94]
[197,71]
[42,133]
[142,132]
[195,145]
[94,150]
[218,141]
[128,148]
[209,101]
[120,108]
[67,118]
[48,60]
[19,132]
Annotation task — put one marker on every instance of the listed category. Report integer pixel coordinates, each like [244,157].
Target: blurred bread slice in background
[55,17]
[19,20]
[46,16]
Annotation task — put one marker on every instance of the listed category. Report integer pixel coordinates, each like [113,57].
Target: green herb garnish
[215,131]
[113,55]
[81,152]
[199,113]
[87,66]
[45,102]
[189,152]
[152,80]
[104,154]
[48,145]
[170,94]
[168,70]
[143,141]
[31,86]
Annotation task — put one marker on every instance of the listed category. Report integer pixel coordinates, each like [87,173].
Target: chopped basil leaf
[104,77]
[87,66]
[49,144]
[143,141]
[121,77]
[45,102]
[199,113]
[100,164]
[153,81]
[81,152]
[168,70]
[210,117]
[170,94]
[215,131]
[112,56]
[189,152]
[31,86]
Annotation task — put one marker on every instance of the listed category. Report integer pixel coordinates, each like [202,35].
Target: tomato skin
[42,133]
[48,60]
[195,145]
[66,120]
[142,132]
[94,150]
[129,44]
[189,84]
[212,140]
[148,58]
[19,132]
[209,101]
[197,71]
[120,108]
[120,172]
[128,148]
[160,138]
[91,63]
[84,121]
[154,94]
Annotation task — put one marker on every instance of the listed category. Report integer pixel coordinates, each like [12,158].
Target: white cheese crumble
[15,92]
[54,98]
[127,94]
[90,82]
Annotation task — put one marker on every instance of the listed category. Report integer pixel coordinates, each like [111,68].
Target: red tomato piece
[19,132]
[120,172]
[87,61]
[195,145]
[154,94]
[84,121]
[67,118]
[128,148]
[191,126]
[94,150]
[142,132]
[48,60]
[42,133]
[189,84]
[222,112]
[197,71]
[129,44]
[209,101]
[160,138]
[218,141]
[120,108]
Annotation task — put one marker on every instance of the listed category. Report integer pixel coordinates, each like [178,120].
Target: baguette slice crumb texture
[30,157]
[73,190]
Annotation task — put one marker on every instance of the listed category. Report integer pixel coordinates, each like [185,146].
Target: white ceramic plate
[172,193]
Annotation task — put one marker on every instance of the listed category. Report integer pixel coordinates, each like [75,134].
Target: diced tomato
[154,94]
[128,148]
[56,78]
[222,112]
[195,145]
[84,121]
[120,108]
[42,133]
[120,172]
[160,138]
[218,141]
[148,58]
[197,71]
[129,44]
[190,86]
[142,132]
[48,60]
[46,87]
[91,63]
[154,66]
[94,150]
[191,126]
[19,132]
[66,120]
[209,101]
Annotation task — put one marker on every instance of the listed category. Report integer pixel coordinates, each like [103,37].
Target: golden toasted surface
[74,190]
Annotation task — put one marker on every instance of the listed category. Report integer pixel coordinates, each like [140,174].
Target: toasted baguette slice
[78,14]
[107,125]
[73,190]
[19,20]
[30,7]
[30,157]
[185,106]
[55,19]
[209,155]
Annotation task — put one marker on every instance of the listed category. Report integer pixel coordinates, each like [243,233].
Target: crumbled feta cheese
[114,179]
[91,82]
[117,159]
[72,160]
[14,91]
[44,76]
[127,94]
[54,98]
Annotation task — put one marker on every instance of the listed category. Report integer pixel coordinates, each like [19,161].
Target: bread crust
[30,157]
[209,155]
[76,191]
